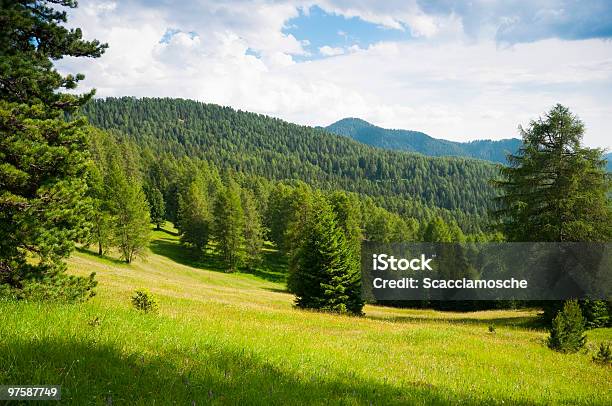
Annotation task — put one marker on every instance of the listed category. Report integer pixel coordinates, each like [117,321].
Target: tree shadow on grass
[95,373]
[171,249]
[272,267]
[116,261]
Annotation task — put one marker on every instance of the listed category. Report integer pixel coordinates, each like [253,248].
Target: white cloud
[331,51]
[447,85]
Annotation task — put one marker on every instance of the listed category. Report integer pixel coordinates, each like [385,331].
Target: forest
[151,243]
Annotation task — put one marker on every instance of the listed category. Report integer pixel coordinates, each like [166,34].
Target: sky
[458,70]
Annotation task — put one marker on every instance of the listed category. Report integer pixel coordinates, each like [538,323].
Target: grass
[236,339]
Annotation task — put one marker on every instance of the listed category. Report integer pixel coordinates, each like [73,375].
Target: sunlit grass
[236,338]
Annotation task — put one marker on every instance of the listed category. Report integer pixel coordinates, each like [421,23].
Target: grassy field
[235,338]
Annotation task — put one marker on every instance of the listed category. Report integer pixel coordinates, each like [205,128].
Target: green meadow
[222,338]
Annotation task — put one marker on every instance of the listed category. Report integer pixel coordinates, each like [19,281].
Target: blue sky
[318,29]
[459,70]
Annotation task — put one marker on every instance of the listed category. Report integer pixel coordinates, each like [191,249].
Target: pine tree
[253,230]
[194,216]
[229,226]
[325,275]
[43,157]
[155,199]
[437,231]
[555,189]
[130,211]
[101,219]
[567,332]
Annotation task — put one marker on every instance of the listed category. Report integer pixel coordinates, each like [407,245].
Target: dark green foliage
[555,189]
[416,141]
[54,286]
[325,275]
[194,215]
[43,158]
[131,219]
[31,37]
[156,203]
[253,230]
[604,355]
[410,185]
[229,226]
[595,313]
[567,331]
[144,301]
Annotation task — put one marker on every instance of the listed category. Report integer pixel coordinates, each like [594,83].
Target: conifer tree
[194,215]
[253,230]
[325,275]
[101,219]
[229,226]
[437,231]
[567,331]
[555,189]
[130,211]
[155,199]
[43,158]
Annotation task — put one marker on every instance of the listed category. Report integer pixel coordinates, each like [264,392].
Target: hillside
[236,338]
[415,141]
[275,149]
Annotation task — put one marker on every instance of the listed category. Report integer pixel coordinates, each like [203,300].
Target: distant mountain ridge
[416,141]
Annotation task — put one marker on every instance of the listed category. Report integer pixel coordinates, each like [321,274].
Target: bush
[604,355]
[567,331]
[144,300]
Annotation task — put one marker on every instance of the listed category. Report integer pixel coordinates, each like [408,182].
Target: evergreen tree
[229,226]
[156,205]
[101,219]
[567,332]
[437,231]
[194,216]
[325,275]
[43,158]
[253,230]
[555,189]
[130,211]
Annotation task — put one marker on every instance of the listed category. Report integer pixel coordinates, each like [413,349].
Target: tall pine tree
[253,230]
[229,226]
[194,215]
[555,189]
[325,275]
[130,211]
[43,158]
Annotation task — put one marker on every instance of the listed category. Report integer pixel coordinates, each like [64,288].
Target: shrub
[567,331]
[491,328]
[143,300]
[604,355]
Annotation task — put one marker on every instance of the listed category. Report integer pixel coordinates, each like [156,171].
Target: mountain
[405,183]
[416,141]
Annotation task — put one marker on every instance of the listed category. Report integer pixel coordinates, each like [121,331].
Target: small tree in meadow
[567,331]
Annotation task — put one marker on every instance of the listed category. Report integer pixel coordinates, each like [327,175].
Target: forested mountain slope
[278,150]
[415,141]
